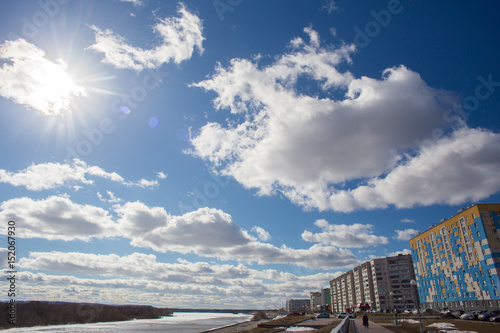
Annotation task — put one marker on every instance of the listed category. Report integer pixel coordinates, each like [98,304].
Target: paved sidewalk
[373,327]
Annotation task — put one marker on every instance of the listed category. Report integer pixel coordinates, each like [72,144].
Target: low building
[298,305]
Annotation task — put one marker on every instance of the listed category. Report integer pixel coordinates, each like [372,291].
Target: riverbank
[36,313]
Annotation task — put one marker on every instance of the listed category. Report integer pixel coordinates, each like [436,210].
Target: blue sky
[234,154]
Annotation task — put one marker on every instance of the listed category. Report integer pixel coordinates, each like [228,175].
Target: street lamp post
[395,311]
[414,284]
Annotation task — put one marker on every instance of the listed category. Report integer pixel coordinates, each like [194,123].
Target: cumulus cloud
[45,176]
[180,37]
[57,218]
[261,233]
[212,233]
[469,158]
[28,78]
[404,235]
[405,251]
[330,141]
[206,232]
[407,220]
[342,235]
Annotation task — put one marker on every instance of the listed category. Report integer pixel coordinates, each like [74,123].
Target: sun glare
[54,88]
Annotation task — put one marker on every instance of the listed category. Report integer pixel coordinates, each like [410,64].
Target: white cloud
[329,6]
[405,251]
[57,218]
[212,233]
[28,78]
[351,236]
[161,175]
[111,195]
[47,176]
[140,277]
[407,220]
[352,145]
[146,183]
[469,158]
[137,3]
[180,36]
[404,235]
[206,232]
[3,257]
[261,233]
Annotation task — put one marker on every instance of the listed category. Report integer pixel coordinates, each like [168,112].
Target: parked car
[469,315]
[294,314]
[343,315]
[495,319]
[478,313]
[488,315]
[323,315]
[352,315]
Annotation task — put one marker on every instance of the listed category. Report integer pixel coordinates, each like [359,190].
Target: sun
[53,88]
[29,78]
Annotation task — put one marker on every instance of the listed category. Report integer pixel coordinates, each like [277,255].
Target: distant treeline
[36,313]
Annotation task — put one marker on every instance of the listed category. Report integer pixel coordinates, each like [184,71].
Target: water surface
[180,322]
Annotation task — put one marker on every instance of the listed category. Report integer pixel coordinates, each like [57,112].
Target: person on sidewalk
[365,321]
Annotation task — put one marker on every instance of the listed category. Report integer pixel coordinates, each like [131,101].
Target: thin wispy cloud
[180,37]
[45,176]
[29,78]
[137,3]
[329,6]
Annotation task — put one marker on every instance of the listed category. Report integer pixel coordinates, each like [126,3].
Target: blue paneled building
[457,262]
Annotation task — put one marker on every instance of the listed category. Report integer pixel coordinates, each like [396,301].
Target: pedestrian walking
[365,321]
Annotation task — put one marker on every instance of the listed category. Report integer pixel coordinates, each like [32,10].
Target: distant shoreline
[40,313]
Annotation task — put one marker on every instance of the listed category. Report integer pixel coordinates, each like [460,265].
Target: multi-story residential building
[298,305]
[457,262]
[326,299]
[341,289]
[315,303]
[380,284]
[392,287]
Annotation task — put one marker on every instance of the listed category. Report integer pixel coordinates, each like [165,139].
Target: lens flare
[154,122]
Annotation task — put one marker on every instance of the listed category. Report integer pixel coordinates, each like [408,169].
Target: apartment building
[457,262]
[326,299]
[392,288]
[315,303]
[297,305]
[381,284]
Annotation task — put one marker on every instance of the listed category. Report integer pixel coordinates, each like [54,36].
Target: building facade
[457,262]
[392,288]
[326,299]
[381,284]
[315,303]
[297,305]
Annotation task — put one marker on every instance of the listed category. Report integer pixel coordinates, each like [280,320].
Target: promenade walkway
[373,327]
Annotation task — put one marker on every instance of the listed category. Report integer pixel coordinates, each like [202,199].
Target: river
[179,322]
